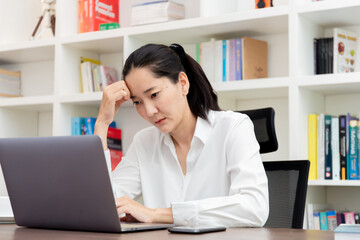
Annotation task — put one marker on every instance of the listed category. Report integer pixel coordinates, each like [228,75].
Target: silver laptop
[62,183]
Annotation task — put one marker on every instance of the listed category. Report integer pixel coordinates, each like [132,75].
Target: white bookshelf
[51,78]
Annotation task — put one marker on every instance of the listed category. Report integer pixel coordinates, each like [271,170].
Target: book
[342,147]
[108,76]
[345,52]
[328,152]
[224,46]
[77,126]
[92,13]
[108,26]
[207,51]
[115,146]
[353,150]
[313,209]
[323,221]
[10,83]
[156,12]
[321,147]
[347,232]
[89,125]
[312,145]
[238,63]
[349,217]
[218,65]
[86,74]
[335,148]
[254,58]
[331,219]
[316,220]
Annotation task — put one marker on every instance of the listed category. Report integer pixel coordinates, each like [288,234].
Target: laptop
[62,183]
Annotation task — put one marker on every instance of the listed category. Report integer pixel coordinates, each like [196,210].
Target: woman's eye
[136,102]
[154,94]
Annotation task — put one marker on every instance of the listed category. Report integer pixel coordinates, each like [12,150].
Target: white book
[345,51]
[207,58]
[335,148]
[321,147]
[311,208]
[85,77]
[218,68]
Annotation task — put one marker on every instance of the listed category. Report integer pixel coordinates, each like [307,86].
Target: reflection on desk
[13,232]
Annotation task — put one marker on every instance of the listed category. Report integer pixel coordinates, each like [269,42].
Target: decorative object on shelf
[92,13]
[48,25]
[263,4]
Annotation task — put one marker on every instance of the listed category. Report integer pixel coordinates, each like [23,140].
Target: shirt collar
[202,129]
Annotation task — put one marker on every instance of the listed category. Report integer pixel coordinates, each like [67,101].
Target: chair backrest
[264,126]
[287,180]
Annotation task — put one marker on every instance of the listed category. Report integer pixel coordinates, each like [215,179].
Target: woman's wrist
[101,130]
[163,215]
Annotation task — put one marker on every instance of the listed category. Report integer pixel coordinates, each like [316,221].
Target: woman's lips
[160,121]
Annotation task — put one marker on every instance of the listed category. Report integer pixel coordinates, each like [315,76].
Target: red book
[114,145]
[102,11]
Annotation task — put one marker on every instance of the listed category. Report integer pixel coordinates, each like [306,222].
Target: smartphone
[195,230]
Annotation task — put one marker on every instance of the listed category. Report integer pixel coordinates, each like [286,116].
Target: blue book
[353,149]
[224,61]
[323,221]
[76,125]
[328,150]
[89,125]
[238,62]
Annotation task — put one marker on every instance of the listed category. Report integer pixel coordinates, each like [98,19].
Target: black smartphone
[195,230]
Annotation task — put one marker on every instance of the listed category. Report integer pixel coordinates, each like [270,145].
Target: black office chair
[287,180]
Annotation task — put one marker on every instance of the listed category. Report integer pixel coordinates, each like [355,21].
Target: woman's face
[158,100]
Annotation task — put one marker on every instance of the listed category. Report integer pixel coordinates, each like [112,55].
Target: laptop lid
[59,183]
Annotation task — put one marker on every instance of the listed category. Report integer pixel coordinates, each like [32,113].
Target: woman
[197,165]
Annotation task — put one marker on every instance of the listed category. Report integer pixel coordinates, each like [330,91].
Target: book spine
[76,123]
[316,220]
[312,145]
[349,217]
[115,146]
[328,153]
[232,60]
[81,16]
[227,60]
[218,61]
[342,147]
[323,221]
[335,148]
[331,219]
[321,147]
[224,60]
[198,53]
[353,150]
[90,125]
[238,69]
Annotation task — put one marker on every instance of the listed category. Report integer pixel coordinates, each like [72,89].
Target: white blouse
[225,182]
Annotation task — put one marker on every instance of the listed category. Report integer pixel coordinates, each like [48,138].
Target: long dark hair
[164,61]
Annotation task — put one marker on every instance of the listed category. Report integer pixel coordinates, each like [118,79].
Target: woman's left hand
[136,212]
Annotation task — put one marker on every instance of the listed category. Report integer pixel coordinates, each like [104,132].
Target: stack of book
[86,126]
[323,217]
[94,76]
[92,13]
[10,83]
[150,11]
[333,147]
[233,59]
[336,54]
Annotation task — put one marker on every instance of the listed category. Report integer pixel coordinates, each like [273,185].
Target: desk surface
[13,232]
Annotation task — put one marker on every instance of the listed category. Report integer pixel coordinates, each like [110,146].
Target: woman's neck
[184,133]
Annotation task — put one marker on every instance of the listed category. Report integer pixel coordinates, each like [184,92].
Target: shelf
[342,183]
[248,23]
[332,13]
[330,84]
[100,42]
[34,103]
[254,88]
[27,51]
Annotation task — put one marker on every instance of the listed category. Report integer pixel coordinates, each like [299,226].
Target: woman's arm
[114,96]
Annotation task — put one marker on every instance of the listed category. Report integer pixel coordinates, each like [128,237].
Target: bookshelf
[51,78]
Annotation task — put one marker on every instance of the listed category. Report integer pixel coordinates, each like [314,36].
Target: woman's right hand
[114,96]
